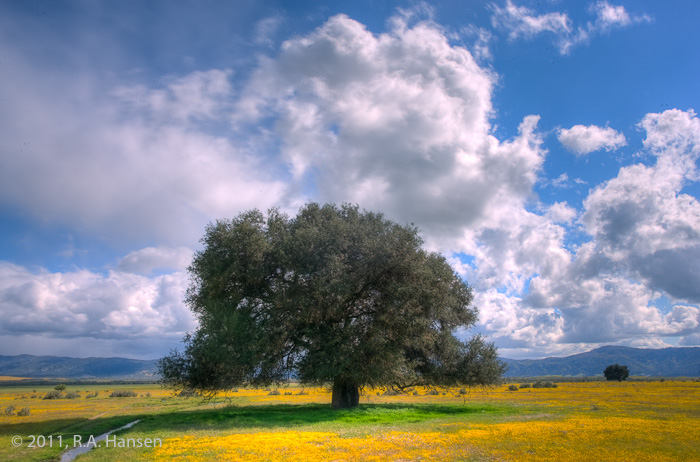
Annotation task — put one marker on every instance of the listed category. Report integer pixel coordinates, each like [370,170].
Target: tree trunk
[345,395]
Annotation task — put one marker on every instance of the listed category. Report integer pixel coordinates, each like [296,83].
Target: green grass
[317,417]
[169,417]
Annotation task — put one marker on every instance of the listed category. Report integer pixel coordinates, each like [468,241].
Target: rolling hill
[77,368]
[668,362]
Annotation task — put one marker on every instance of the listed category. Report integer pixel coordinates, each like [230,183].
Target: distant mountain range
[77,368]
[668,362]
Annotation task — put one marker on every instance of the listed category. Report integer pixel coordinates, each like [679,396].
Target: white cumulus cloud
[561,212]
[398,122]
[645,240]
[581,139]
[609,15]
[81,305]
[520,21]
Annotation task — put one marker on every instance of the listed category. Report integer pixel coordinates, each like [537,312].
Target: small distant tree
[616,372]
[60,387]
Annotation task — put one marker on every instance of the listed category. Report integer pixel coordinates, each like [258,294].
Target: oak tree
[333,296]
[616,372]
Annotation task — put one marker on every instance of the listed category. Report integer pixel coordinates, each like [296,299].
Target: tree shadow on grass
[294,415]
[254,416]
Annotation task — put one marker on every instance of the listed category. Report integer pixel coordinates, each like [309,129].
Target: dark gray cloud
[127,163]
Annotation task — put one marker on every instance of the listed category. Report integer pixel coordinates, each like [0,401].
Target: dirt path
[71,454]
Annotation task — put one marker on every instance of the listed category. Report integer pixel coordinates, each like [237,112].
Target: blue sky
[548,149]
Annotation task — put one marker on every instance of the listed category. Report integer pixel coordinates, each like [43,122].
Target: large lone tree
[331,296]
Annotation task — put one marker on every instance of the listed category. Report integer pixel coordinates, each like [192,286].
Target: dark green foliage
[513,387]
[123,394]
[60,387]
[616,372]
[53,394]
[333,295]
[544,384]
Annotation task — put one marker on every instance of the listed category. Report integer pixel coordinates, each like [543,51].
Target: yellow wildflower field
[654,421]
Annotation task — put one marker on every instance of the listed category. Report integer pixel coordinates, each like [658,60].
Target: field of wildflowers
[575,421]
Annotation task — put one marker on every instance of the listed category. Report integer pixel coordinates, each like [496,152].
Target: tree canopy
[334,296]
[616,372]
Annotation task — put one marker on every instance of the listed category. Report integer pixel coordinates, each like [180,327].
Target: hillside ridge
[668,362]
[72,368]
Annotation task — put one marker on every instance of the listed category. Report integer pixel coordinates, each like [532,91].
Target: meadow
[637,420]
